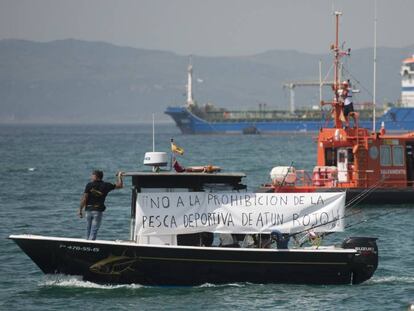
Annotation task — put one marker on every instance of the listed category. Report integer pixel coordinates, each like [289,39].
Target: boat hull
[395,119]
[380,196]
[125,262]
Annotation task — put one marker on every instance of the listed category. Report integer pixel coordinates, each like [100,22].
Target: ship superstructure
[407,82]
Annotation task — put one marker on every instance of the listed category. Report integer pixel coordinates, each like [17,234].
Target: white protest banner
[190,212]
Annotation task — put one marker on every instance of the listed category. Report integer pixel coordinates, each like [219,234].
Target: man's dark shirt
[97,191]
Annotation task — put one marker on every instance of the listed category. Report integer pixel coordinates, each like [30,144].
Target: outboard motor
[366,261]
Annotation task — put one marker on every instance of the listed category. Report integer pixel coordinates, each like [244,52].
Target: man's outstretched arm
[119,182]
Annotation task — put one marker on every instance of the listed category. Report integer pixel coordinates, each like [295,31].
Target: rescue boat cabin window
[392,155]
[330,157]
[385,155]
[397,156]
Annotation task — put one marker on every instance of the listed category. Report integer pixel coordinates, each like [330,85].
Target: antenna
[375,70]
[155,159]
[320,81]
[153,133]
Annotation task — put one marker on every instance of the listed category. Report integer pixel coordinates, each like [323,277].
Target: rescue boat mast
[338,53]
[374,86]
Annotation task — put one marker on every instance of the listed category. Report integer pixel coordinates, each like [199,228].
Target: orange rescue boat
[372,166]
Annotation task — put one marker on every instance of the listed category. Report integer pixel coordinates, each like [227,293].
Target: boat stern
[365,261]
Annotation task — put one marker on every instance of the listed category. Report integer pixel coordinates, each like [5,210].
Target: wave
[207,285]
[77,282]
[392,279]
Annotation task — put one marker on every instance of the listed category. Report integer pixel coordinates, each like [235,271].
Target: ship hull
[380,196]
[118,262]
[396,119]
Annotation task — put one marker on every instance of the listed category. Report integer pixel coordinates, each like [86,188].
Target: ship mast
[338,53]
[190,99]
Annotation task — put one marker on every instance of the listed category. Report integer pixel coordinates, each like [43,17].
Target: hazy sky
[210,27]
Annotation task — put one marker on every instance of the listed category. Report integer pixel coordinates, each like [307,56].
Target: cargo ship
[193,118]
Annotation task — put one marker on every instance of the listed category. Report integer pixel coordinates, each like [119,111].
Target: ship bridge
[407,82]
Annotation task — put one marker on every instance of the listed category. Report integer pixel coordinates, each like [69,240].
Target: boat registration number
[80,248]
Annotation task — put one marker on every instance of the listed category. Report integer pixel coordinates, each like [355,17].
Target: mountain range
[73,81]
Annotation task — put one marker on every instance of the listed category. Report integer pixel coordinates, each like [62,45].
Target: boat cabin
[168,182]
[357,158]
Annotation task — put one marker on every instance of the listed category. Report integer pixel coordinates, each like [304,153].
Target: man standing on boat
[348,104]
[93,201]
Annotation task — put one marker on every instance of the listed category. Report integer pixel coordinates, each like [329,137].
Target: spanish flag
[176,149]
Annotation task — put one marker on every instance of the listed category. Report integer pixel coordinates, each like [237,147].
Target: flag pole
[171,162]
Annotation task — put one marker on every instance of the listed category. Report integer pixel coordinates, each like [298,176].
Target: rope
[357,81]
[352,203]
[364,194]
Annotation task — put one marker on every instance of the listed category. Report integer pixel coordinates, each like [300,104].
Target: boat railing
[319,178]
[303,178]
[357,178]
[326,178]
[261,115]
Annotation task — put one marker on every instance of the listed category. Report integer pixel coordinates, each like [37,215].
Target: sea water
[44,169]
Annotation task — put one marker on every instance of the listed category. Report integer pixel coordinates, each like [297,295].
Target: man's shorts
[348,108]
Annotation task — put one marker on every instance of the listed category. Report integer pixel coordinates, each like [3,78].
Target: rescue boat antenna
[320,81]
[375,70]
[336,50]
